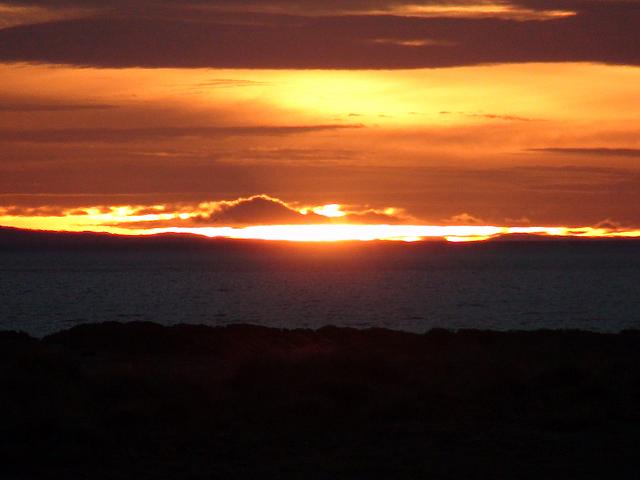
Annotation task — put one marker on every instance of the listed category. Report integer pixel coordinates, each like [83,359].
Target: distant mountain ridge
[23,239]
[17,238]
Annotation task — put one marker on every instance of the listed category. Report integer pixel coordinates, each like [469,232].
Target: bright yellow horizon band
[406,233]
[346,232]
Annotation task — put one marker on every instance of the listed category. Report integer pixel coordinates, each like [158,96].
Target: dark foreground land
[124,401]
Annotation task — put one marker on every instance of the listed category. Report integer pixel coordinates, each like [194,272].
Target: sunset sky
[140,116]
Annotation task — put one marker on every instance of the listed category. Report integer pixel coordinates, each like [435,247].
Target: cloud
[609,224]
[463,219]
[606,152]
[135,134]
[255,210]
[372,217]
[514,222]
[313,7]
[290,156]
[304,34]
[42,211]
[267,210]
[502,10]
[490,116]
[51,107]
[231,83]
[411,42]
[13,15]
[245,211]
[547,195]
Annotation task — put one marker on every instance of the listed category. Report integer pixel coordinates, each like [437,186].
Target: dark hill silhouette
[143,401]
[23,239]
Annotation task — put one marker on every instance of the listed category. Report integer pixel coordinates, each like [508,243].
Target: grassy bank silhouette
[139,400]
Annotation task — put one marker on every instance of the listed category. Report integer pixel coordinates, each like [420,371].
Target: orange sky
[183,115]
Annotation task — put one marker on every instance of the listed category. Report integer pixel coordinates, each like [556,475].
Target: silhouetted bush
[138,400]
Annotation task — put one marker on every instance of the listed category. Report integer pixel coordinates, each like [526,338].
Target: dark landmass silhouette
[24,239]
[143,401]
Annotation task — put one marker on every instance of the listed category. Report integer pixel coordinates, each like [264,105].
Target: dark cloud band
[168,35]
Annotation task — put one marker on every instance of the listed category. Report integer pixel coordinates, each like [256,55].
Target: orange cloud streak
[337,226]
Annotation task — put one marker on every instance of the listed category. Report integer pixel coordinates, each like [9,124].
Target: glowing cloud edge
[406,233]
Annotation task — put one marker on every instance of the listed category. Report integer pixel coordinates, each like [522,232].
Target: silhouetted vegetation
[143,401]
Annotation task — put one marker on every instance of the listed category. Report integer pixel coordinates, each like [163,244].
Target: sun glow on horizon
[334,232]
[405,233]
[262,217]
[158,219]
[331,210]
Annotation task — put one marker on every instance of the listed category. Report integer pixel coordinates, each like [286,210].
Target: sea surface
[413,287]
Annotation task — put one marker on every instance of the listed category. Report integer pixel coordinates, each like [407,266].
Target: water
[594,286]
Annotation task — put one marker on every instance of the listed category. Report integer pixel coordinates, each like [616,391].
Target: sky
[208,116]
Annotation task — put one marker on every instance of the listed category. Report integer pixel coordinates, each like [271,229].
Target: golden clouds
[413,99]
[267,218]
[13,15]
[505,10]
[557,140]
[237,213]
[401,8]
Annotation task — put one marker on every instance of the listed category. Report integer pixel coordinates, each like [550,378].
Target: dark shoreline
[25,240]
[139,400]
